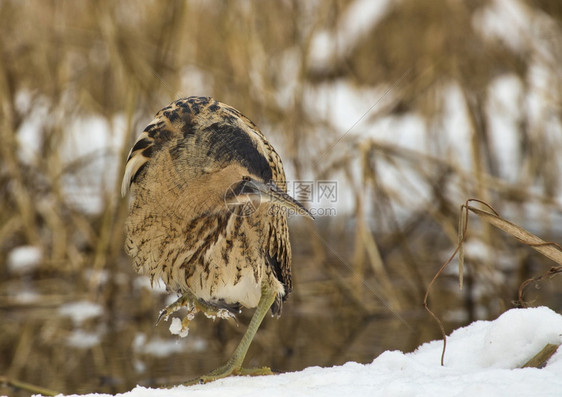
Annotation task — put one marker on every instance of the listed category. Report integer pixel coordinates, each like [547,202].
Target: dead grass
[360,277]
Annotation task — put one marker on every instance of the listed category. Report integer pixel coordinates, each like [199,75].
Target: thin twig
[539,360]
[549,273]
[464,208]
[27,386]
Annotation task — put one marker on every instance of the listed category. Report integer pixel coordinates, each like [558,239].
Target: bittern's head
[204,156]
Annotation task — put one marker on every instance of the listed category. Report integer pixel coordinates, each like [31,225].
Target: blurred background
[388,116]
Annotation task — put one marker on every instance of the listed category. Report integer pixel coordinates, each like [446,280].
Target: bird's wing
[279,258]
[152,138]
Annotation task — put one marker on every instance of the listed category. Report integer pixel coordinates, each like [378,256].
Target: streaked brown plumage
[207,211]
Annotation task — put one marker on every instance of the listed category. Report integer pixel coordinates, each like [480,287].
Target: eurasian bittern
[208,215]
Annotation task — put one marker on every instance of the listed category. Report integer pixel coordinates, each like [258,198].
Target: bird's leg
[234,365]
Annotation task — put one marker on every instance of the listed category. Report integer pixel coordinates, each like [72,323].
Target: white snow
[81,311]
[89,150]
[358,19]
[93,145]
[27,296]
[514,27]
[508,342]
[24,259]
[159,347]
[177,328]
[81,339]
[483,358]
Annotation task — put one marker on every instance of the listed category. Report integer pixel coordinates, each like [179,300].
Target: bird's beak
[259,192]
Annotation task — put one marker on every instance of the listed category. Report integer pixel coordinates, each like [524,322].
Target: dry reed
[360,277]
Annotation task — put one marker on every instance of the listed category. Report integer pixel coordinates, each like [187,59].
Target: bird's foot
[229,370]
[194,306]
[186,301]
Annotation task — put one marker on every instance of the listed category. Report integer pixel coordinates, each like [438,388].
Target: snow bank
[482,359]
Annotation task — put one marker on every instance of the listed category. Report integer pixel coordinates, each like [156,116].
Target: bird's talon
[183,301]
[164,314]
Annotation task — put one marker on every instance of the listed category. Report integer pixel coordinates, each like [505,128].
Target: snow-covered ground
[482,359]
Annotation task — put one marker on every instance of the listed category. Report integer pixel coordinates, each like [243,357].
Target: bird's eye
[246,178]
